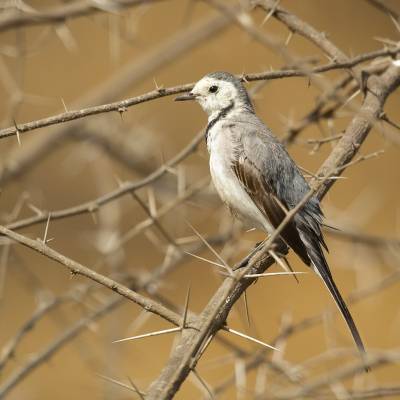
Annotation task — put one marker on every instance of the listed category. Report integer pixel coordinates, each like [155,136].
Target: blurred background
[111,53]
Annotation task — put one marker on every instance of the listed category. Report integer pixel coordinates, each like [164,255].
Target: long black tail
[321,267]
[334,291]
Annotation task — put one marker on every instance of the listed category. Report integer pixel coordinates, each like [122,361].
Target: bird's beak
[186,96]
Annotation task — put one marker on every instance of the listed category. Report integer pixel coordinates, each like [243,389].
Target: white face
[214,95]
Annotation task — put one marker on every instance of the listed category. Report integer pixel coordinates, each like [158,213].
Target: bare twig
[111,304]
[79,269]
[134,72]
[123,189]
[384,7]
[66,336]
[123,105]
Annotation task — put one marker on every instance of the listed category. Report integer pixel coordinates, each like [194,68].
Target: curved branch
[79,269]
[104,309]
[295,24]
[189,348]
[382,6]
[356,132]
[125,188]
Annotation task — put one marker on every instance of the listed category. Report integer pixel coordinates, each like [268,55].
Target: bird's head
[217,91]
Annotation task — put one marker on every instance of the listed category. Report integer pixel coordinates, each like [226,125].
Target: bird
[258,180]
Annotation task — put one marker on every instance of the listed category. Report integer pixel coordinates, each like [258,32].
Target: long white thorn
[121,384]
[145,335]
[226,266]
[206,260]
[243,335]
[279,260]
[249,276]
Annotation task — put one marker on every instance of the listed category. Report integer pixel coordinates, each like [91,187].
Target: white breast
[227,184]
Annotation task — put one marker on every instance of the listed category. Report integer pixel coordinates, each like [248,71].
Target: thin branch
[376,393]
[255,360]
[9,349]
[355,297]
[67,335]
[356,132]
[340,374]
[318,113]
[79,269]
[382,6]
[58,14]
[123,105]
[295,24]
[125,188]
[132,73]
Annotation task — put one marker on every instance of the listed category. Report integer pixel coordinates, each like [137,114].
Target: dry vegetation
[120,199]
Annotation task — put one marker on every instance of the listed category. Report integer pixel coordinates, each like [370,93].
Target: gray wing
[276,185]
[273,181]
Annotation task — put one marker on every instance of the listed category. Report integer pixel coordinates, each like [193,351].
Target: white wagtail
[257,179]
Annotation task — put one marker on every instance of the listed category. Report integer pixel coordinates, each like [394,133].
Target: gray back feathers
[259,181]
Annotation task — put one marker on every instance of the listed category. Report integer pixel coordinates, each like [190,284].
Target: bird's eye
[213,89]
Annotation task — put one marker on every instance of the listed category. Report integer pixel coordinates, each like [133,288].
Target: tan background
[367,201]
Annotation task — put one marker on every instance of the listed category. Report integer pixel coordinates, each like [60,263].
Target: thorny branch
[123,105]
[375,81]
[21,158]
[186,352]
[181,362]
[125,188]
[104,309]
